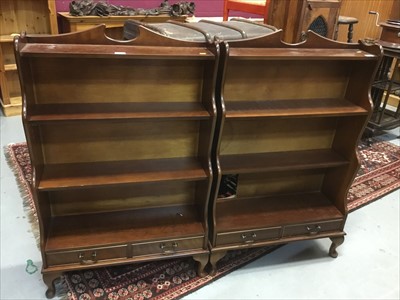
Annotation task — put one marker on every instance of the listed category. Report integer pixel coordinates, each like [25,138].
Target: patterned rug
[172,279]
[378,175]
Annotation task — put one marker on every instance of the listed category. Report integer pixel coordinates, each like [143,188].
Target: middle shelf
[91,174]
[280,161]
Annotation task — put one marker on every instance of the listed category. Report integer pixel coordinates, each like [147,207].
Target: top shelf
[115,51]
[299,53]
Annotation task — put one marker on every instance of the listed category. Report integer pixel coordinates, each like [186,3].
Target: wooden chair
[258,7]
[342,20]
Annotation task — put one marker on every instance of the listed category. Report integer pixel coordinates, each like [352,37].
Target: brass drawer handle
[244,237]
[88,261]
[313,230]
[168,250]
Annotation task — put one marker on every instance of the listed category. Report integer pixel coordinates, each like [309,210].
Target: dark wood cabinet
[296,17]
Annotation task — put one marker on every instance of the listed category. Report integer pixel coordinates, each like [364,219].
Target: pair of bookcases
[129,142]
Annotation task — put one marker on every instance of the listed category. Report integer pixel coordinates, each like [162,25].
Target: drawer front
[312,228]
[86,256]
[248,236]
[167,247]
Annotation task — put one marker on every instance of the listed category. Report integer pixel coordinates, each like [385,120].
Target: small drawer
[312,228]
[86,256]
[167,247]
[248,236]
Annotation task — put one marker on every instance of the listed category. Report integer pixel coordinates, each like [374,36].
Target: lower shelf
[70,233]
[253,213]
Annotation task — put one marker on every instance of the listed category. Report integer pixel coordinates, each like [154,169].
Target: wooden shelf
[292,108]
[10,67]
[115,51]
[299,54]
[111,111]
[17,16]
[80,175]
[13,108]
[241,214]
[280,161]
[91,230]
[7,38]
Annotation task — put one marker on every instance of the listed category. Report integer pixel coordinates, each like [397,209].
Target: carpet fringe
[25,191]
[30,209]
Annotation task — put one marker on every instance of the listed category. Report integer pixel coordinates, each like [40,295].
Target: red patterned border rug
[174,278]
[378,175]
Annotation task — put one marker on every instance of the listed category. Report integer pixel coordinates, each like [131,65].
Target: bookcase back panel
[273,135]
[91,80]
[137,196]
[7,52]
[266,80]
[276,183]
[114,141]
[31,17]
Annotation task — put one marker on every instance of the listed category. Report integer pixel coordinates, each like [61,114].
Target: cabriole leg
[336,242]
[49,281]
[214,258]
[202,261]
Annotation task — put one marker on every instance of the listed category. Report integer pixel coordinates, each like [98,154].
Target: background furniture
[204,30]
[114,24]
[258,7]
[295,17]
[291,119]
[120,137]
[387,82]
[350,21]
[32,16]
[359,9]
